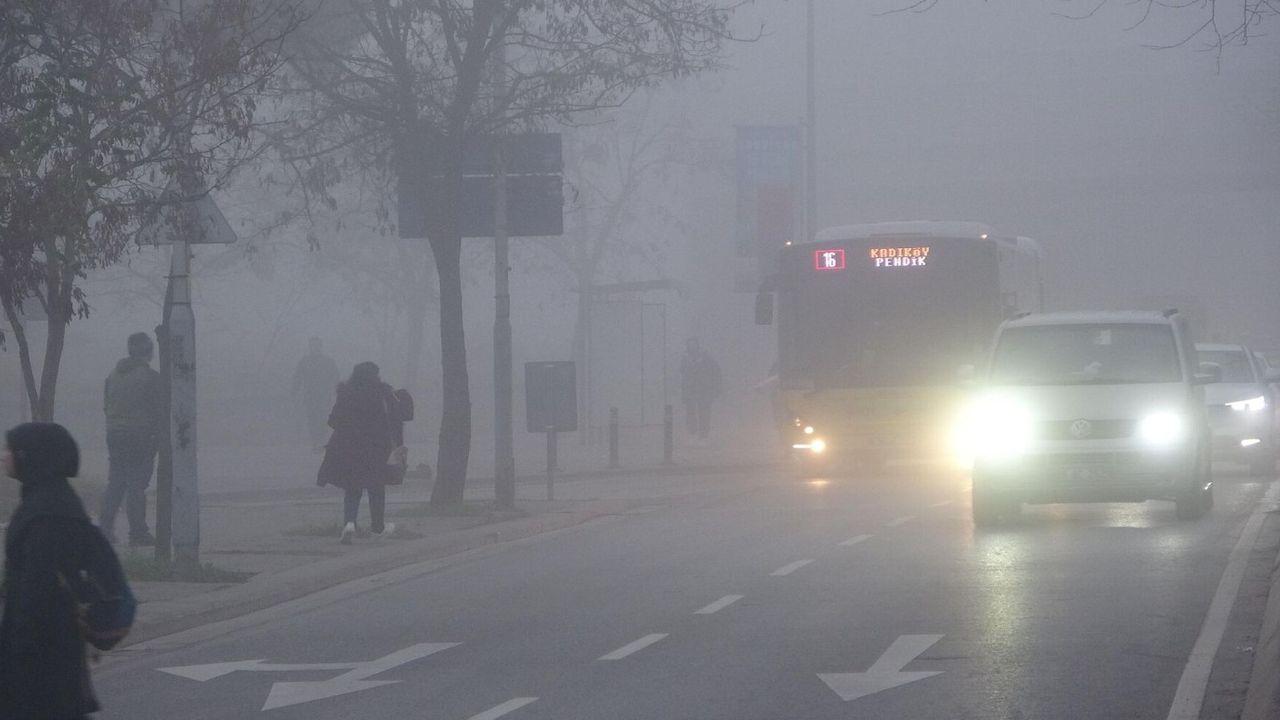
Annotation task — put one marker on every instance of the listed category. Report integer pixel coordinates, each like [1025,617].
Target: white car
[1089,407]
[1241,407]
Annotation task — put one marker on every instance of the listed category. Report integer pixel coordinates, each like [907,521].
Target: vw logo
[1081,429]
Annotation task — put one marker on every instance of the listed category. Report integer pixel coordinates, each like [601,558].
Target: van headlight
[994,428]
[1162,428]
[1251,405]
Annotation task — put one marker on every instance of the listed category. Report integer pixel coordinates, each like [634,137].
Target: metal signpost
[183,224]
[512,186]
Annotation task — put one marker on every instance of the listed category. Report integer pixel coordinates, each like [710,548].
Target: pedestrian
[132,401]
[364,421]
[44,668]
[700,386]
[314,382]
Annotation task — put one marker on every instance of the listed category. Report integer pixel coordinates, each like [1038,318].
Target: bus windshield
[879,317]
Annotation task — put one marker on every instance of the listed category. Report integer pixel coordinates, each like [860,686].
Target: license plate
[1085,474]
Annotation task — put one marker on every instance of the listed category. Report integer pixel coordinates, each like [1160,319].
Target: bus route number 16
[828,260]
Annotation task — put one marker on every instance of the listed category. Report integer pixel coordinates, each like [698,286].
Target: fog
[1144,173]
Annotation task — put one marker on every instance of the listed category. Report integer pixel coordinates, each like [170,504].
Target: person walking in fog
[700,385]
[44,666]
[132,401]
[314,381]
[365,420]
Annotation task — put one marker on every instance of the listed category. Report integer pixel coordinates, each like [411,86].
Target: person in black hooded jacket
[44,670]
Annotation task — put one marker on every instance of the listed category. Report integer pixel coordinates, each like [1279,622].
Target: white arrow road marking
[900,521]
[509,706]
[213,671]
[284,694]
[855,540]
[788,569]
[719,605]
[886,672]
[634,647]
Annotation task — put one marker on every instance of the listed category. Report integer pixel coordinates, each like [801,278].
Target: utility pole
[810,134]
[182,418]
[504,462]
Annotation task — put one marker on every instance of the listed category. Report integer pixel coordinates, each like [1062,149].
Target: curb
[163,618]
[1262,699]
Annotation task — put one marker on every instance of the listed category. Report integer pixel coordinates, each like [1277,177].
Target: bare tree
[1218,24]
[405,83]
[92,96]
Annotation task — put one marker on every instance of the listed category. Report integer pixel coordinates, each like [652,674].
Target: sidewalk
[288,537]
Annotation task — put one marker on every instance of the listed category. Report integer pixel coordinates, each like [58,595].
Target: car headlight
[1251,405]
[1163,428]
[994,428]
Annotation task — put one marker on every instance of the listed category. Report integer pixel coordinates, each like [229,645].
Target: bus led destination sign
[896,257]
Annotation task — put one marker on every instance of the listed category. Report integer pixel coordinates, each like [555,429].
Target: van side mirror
[1208,374]
[764,308]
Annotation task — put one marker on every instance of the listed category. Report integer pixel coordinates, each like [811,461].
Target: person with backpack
[63,585]
[366,422]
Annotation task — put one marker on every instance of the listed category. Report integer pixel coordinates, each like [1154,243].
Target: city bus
[877,324]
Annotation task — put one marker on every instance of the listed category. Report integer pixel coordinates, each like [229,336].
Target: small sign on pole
[551,406]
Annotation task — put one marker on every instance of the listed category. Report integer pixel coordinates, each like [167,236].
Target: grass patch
[470,508]
[145,568]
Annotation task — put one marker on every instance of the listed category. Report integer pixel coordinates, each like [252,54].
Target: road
[757,596]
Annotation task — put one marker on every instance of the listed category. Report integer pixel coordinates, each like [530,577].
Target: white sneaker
[348,532]
[387,530]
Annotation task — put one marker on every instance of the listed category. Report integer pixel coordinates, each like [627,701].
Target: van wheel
[1197,499]
[1264,463]
[989,506]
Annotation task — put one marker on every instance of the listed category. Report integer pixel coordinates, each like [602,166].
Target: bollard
[613,439]
[668,436]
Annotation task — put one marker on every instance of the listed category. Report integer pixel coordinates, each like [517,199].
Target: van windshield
[1086,354]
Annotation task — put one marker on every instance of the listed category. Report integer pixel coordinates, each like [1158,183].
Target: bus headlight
[1163,428]
[817,446]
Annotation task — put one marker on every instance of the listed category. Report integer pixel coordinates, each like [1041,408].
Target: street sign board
[551,396]
[535,206]
[535,189]
[208,227]
[526,154]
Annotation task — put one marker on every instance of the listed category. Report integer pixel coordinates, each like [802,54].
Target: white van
[1090,407]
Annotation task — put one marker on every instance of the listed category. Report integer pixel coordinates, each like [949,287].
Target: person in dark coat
[364,434]
[44,670]
[700,385]
[132,400]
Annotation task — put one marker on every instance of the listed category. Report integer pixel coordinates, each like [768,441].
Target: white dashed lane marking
[634,647]
[900,521]
[509,706]
[855,540]
[790,568]
[719,605]
[944,503]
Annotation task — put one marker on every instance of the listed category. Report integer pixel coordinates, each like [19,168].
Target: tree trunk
[455,420]
[24,355]
[54,343]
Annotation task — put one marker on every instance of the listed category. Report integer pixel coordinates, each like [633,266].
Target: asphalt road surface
[757,596]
